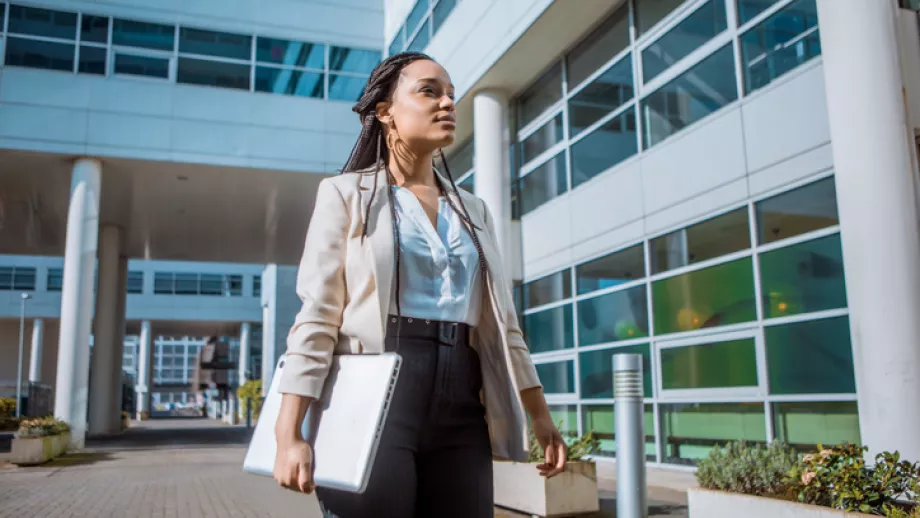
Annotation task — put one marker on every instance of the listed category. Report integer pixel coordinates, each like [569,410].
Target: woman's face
[422,107]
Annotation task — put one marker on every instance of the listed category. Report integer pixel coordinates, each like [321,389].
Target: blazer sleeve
[524,371]
[321,288]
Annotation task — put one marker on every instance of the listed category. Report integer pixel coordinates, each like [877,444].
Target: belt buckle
[448,332]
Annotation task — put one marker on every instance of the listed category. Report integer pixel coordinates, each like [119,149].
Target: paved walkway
[185,468]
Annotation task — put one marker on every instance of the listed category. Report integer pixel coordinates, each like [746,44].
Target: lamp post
[22,323]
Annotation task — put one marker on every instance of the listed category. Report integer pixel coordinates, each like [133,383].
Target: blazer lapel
[380,235]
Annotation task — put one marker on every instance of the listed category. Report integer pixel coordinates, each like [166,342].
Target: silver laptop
[344,425]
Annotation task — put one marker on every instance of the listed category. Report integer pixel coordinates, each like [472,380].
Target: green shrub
[251,391]
[747,468]
[577,447]
[9,424]
[838,477]
[7,407]
[41,427]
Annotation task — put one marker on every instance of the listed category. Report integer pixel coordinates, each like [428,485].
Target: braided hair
[369,154]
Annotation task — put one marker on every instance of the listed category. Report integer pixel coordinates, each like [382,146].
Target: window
[212,43]
[213,73]
[549,330]
[94,29]
[796,212]
[210,284]
[650,12]
[421,39]
[346,87]
[596,369]
[566,416]
[39,54]
[289,82]
[794,350]
[604,147]
[803,278]
[621,315]
[416,15]
[143,35]
[257,286]
[543,183]
[609,91]
[780,43]
[186,283]
[695,94]
[553,287]
[749,9]
[605,42]
[356,61]
[441,10]
[92,60]
[540,96]
[541,140]
[692,429]
[688,35]
[715,296]
[714,365]
[135,282]
[461,160]
[234,285]
[55,279]
[804,425]
[709,239]
[422,22]
[557,377]
[17,278]
[290,53]
[197,284]
[141,66]
[602,420]
[42,22]
[611,270]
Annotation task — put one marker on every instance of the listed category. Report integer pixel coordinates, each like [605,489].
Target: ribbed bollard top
[627,376]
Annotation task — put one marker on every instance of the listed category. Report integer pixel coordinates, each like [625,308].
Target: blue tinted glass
[541,140]
[397,45]
[212,43]
[92,60]
[687,36]
[287,52]
[605,147]
[621,315]
[289,82]
[558,377]
[749,9]
[650,12]
[142,66]
[43,22]
[342,59]
[441,11]
[213,73]
[421,40]
[693,95]
[611,270]
[142,34]
[793,350]
[2,15]
[604,95]
[779,44]
[94,28]
[39,54]
[550,288]
[543,184]
[549,330]
[415,15]
[346,88]
[597,371]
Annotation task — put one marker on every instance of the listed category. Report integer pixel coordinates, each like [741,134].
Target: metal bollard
[630,436]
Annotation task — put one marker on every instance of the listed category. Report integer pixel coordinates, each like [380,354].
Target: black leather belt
[447,333]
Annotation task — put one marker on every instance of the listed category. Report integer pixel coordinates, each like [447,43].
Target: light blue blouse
[439,267]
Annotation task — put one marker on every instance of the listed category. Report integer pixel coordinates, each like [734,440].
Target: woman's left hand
[554,448]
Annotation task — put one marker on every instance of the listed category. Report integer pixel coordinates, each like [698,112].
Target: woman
[466,372]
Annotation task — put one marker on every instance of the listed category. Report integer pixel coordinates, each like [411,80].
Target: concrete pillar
[144,362]
[103,387]
[492,181]
[35,360]
[71,388]
[119,344]
[876,197]
[269,287]
[245,350]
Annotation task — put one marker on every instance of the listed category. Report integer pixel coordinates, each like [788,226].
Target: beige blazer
[345,285]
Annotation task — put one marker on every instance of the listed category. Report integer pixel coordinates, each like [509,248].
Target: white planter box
[38,450]
[519,486]
[704,503]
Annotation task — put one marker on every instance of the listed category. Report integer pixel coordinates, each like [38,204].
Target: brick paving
[178,469]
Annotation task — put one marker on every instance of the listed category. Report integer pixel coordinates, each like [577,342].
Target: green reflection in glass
[566,418]
[691,430]
[557,377]
[621,315]
[813,357]
[715,365]
[806,425]
[803,278]
[596,368]
[601,419]
[549,330]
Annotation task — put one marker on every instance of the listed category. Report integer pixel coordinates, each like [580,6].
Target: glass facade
[17,278]
[79,43]
[168,283]
[741,319]
[423,21]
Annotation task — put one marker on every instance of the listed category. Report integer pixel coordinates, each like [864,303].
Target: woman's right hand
[294,465]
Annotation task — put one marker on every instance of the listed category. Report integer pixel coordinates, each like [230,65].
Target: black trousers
[435,457]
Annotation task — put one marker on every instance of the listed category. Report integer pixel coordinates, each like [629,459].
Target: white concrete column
[119,345]
[71,388]
[105,332]
[492,181]
[144,359]
[245,351]
[269,288]
[35,359]
[878,215]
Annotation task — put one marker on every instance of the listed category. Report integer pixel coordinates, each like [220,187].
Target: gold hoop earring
[392,139]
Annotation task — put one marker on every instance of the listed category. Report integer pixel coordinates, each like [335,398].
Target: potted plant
[519,485]
[250,393]
[773,480]
[39,440]
[125,420]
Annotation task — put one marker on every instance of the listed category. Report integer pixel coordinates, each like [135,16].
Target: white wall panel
[791,170]
[547,229]
[709,202]
[607,202]
[128,131]
[43,124]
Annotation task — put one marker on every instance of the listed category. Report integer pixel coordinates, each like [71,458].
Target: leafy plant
[752,469]
[7,407]
[838,477]
[8,423]
[577,448]
[41,427]
[251,391]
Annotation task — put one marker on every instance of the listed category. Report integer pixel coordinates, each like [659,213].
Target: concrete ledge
[519,486]
[705,503]
[31,451]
